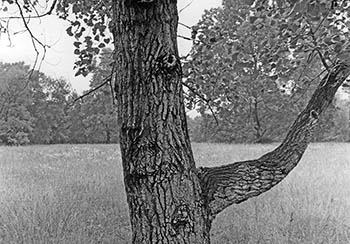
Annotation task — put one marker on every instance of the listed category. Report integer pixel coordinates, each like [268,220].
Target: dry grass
[74,194]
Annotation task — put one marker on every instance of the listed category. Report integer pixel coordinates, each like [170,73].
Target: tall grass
[75,194]
[62,194]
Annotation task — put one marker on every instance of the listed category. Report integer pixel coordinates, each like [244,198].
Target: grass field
[74,194]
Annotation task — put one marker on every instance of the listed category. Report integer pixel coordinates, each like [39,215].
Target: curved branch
[237,182]
[35,42]
[38,16]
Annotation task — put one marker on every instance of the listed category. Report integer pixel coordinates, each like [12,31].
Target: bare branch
[207,101]
[105,82]
[188,27]
[323,60]
[110,82]
[35,42]
[37,16]
[184,37]
[186,6]
[321,22]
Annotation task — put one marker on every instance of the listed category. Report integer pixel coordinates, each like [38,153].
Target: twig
[321,22]
[105,81]
[33,17]
[111,85]
[188,27]
[185,7]
[204,99]
[323,60]
[34,42]
[186,38]
[308,61]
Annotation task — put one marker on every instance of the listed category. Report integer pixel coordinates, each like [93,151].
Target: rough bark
[162,187]
[170,201]
[237,182]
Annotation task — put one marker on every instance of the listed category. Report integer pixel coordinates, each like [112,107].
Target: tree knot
[313,117]
[181,218]
[170,61]
[168,64]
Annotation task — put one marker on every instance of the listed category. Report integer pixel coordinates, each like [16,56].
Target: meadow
[68,194]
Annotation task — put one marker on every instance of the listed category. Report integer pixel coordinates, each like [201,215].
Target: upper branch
[237,182]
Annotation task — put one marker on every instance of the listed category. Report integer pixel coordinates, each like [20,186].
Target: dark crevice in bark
[162,188]
[237,182]
[168,202]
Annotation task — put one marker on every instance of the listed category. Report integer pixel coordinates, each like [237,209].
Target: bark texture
[170,201]
[237,182]
[162,187]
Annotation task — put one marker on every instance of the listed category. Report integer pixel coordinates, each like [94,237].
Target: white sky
[59,59]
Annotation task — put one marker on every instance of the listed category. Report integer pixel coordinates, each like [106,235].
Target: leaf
[69,31]
[338,48]
[75,8]
[76,23]
[77,44]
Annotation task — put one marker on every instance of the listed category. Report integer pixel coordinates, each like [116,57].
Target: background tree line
[246,96]
[43,110]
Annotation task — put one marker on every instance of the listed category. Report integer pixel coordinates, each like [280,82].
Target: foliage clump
[255,64]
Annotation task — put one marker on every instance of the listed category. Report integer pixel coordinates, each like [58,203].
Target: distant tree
[92,118]
[77,128]
[197,129]
[37,109]
[49,110]
[15,119]
[33,106]
[99,107]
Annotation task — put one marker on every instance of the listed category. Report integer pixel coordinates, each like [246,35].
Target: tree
[33,107]
[92,118]
[170,200]
[49,110]
[248,72]
[15,119]
[99,109]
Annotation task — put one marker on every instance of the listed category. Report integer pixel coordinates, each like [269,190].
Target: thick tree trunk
[170,201]
[163,190]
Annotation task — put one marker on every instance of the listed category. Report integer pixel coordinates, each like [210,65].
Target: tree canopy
[254,64]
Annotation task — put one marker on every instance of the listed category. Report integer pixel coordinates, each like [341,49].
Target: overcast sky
[59,59]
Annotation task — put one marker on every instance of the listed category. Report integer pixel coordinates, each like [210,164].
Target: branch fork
[234,183]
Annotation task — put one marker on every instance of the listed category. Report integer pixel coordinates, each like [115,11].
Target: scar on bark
[168,64]
[234,183]
[181,218]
